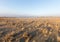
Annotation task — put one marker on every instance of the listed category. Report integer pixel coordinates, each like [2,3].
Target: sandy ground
[30,29]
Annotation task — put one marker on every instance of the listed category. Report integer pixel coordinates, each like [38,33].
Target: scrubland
[30,29]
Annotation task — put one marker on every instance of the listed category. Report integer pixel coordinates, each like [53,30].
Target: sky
[29,7]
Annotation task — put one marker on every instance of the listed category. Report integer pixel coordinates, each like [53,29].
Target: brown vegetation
[30,29]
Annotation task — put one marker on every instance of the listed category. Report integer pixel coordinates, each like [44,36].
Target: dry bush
[29,29]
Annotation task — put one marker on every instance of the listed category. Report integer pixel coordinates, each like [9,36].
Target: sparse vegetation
[29,29]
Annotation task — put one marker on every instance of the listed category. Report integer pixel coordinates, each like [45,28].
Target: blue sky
[29,7]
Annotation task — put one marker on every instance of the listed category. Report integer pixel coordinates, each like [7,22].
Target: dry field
[30,29]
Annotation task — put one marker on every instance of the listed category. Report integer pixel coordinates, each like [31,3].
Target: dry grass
[30,29]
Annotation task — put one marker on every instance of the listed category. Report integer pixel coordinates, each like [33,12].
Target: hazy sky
[29,7]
